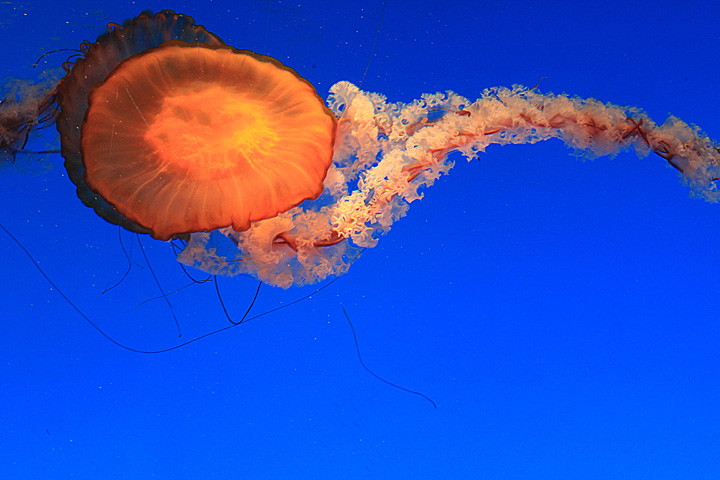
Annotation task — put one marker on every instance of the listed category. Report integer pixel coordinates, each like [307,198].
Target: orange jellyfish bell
[186,138]
[189,137]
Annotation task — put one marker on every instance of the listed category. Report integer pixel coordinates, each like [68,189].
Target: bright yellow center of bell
[208,130]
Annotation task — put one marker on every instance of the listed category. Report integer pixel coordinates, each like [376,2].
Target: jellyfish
[167,131]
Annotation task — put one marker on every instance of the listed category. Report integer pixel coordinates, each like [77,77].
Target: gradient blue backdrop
[562,314]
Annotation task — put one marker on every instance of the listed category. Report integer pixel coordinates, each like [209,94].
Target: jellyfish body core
[202,137]
[167,131]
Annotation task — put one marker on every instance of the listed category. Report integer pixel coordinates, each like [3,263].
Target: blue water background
[562,314]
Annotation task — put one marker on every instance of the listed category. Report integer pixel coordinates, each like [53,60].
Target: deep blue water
[562,314]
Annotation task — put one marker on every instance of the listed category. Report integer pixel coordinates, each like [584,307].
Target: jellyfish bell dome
[177,133]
